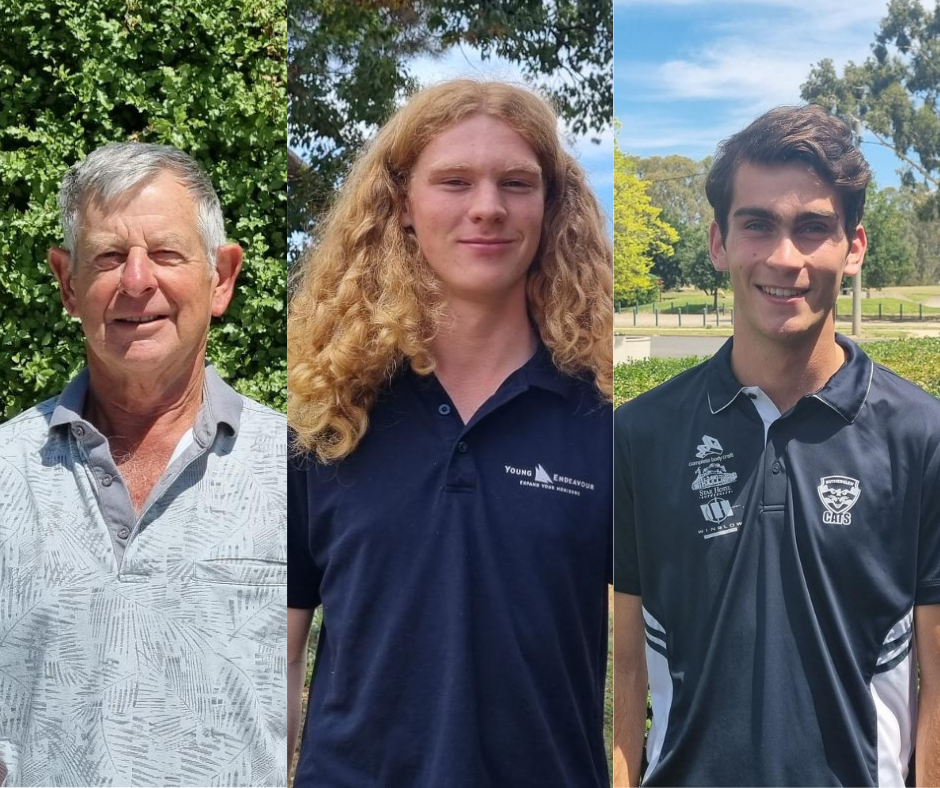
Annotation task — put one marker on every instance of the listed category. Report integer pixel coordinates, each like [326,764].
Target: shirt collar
[540,371]
[845,392]
[221,404]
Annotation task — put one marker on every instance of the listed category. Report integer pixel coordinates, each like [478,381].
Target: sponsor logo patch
[714,483]
[540,478]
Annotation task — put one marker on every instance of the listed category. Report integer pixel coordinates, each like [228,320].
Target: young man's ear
[857,246]
[716,248]
[60,261]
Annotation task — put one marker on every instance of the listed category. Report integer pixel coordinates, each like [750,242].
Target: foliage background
[207,76]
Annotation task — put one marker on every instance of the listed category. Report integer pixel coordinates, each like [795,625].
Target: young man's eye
[757,226]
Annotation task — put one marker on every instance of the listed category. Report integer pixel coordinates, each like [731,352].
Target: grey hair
[110,171]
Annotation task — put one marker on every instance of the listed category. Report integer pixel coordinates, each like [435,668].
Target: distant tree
[890,256]
[895,92]
[667,266]
[697,264]
[677,185]
[640,234]
[348,69]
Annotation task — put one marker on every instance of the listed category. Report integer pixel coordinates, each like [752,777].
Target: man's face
[786,250]
[475,201]
[139,280]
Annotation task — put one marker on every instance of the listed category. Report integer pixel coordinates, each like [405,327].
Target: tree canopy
[349,68]
[640,234]
[894,93]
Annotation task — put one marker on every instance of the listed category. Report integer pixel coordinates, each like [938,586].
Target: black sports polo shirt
[779,561]
[463,574]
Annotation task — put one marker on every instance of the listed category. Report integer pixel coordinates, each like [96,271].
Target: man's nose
[137,273]
[488,203]
[785,253]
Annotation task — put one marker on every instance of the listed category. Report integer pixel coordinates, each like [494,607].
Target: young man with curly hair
[778,509]
[450,499]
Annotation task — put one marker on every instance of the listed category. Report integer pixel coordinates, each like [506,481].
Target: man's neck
[132,409]
[786,371]
[478,346]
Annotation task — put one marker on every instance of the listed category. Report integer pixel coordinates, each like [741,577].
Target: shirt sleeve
[928,548]
[303,575]
[626,565]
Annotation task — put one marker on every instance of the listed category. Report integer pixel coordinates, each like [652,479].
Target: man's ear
[228,262]
[716,248]
[60,261]
[856,255]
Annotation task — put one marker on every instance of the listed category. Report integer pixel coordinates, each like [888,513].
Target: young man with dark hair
[777,536]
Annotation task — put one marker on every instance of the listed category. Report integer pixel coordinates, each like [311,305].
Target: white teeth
[140,319]
[783,292]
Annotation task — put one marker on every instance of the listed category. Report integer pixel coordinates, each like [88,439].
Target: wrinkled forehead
[160,206]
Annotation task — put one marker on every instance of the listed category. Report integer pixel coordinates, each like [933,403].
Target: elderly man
[142,511]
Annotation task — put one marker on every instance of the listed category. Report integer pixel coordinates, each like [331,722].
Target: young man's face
[475,202]
[786,250]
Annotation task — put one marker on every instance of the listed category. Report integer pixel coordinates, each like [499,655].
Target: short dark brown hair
[793,134]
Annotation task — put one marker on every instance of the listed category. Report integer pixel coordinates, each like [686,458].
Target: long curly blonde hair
[365,301]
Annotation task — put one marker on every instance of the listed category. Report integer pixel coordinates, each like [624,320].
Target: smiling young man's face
[476,198]
[139,280]
[786,250]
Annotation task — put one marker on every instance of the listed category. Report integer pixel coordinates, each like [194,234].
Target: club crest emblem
[838,494]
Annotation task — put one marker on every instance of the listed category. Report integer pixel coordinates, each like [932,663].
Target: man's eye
[816,229]
[757,226]
[518,184]
[165,255]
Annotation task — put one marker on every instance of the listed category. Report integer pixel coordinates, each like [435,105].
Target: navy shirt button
[123,532]
[462,447]
[775,467]
[444,409]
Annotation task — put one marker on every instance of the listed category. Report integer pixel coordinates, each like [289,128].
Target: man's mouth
[782,292]
[140,319]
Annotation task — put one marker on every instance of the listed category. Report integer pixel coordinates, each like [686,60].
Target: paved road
[676,347]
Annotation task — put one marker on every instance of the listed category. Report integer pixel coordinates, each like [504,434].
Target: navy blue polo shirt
[463,574]
[779,558]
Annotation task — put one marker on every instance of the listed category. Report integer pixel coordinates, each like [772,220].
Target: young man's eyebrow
[509,168]
[803,216]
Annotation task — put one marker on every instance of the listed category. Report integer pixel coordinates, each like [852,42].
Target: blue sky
[688,73]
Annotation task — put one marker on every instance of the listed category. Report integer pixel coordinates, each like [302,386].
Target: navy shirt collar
[845,392]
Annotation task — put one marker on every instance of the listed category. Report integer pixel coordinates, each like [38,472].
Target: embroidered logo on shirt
[838,494]
[713,481]
[540,478]
[708,447]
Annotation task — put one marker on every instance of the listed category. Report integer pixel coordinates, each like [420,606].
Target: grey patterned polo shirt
[143,650]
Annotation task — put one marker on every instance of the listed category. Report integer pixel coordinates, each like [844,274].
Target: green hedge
[206,76]
[917,360]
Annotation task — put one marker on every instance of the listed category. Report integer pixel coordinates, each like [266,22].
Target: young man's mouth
[783,292]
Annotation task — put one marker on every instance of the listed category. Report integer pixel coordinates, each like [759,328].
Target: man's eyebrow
[509,168]
[95,240]
[803,216]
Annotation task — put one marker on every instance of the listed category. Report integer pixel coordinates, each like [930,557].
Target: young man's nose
[488,203]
